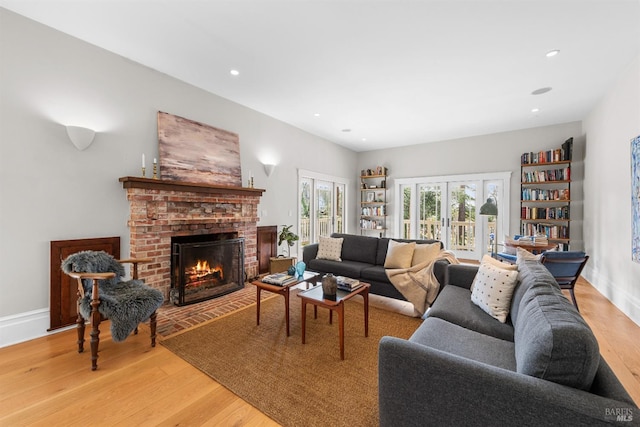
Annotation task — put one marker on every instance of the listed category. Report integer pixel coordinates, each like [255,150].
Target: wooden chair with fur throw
[103,294]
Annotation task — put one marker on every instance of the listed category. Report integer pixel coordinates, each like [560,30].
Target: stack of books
[280,279]
[348,284]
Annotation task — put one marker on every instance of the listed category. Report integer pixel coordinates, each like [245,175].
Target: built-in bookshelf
[373,201]
[545,201]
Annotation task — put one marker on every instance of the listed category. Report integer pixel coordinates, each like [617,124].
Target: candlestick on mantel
[155,169]
[143,166]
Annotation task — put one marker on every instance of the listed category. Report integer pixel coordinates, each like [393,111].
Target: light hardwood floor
[46,382]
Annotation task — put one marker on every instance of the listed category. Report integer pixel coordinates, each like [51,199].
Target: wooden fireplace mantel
[194,187]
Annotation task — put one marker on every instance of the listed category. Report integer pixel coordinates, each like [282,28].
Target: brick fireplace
[161,209]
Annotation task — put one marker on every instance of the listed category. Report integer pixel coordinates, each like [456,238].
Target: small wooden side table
[280,290]
[316,297]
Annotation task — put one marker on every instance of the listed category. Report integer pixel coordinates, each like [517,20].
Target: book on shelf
[562,154]
[280,279]
[347,283]
[544,195]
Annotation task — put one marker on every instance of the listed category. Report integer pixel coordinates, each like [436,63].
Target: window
[446,208]
[322,199]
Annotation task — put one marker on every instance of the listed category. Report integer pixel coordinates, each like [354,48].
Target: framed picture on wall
[196,152]
[635,199]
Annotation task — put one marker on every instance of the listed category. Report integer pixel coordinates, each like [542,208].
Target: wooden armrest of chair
[134,262]
[91,276]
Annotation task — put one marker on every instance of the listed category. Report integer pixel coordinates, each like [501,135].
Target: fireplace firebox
[205,267]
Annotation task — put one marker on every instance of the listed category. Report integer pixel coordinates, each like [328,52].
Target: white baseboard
[626,303]
[24,327]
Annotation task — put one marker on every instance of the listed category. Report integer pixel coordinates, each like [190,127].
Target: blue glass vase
[300,267]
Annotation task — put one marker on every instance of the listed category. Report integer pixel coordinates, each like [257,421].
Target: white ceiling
[396,72]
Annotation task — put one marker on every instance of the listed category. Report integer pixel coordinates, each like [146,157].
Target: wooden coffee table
[316,297]
[281,290]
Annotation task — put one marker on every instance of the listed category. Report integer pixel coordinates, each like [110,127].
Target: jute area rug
[296,384]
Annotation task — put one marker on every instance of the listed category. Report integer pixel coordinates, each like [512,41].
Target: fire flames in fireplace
[206,266]
[202,271]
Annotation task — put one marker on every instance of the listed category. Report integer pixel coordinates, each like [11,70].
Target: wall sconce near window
[268,169]
[80,137]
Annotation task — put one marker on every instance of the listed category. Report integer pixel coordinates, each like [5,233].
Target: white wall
[498,152]
[609,129]
[51,191]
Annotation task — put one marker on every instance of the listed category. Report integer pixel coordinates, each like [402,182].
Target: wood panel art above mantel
[194,187]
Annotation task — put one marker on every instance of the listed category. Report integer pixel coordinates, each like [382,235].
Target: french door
[321,206]
[446,209]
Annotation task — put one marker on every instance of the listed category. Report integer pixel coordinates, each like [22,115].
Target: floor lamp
[491,208]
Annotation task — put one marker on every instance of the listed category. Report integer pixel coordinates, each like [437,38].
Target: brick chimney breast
[160,209]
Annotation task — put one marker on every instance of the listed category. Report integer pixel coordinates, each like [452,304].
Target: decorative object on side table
[300,268]
[329,286]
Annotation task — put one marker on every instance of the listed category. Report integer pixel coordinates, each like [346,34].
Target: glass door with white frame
[338,215]
[448,210]
[305,210]
[494,228]
[430,211]
[423,210]
[322,207]
[461,220]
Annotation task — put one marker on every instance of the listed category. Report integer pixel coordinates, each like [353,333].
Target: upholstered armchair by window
[104,294]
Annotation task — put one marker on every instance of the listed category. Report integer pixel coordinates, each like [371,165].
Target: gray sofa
[363,259]
[463,367]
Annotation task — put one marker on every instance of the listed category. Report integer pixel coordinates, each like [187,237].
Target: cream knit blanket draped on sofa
[418,284]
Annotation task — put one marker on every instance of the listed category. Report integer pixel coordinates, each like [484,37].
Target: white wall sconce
[80,137]
[268,169]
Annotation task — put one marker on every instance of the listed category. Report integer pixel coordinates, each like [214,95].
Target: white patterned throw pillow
[493,288]
[330,248]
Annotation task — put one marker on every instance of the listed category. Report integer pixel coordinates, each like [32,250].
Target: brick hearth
[161,209]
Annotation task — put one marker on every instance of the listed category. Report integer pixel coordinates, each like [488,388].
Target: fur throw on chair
[125,303]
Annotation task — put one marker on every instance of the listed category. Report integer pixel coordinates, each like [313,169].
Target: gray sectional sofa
[363,259]
[463,367]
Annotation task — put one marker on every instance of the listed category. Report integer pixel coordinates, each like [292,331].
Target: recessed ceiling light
[234,72]
[541,91]
[317,114]
[535,110]
[552,53]
[364,139]
[346,130]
